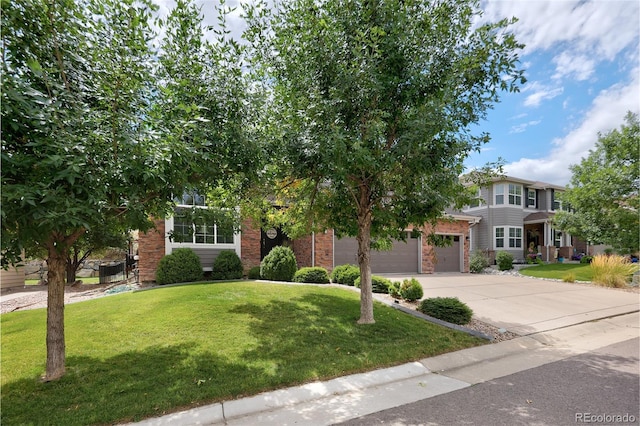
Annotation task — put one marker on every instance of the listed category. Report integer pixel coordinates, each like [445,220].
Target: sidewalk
[344,398]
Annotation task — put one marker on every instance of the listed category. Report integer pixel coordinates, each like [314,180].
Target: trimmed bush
[612,271]
[254,273]
[279,265]
[411,290]
[315,274]
[378,284]
[586,259]
[394,290]
[449,309]
[504,260]
[227,266]
[478,262]
[181,266]
[345,274]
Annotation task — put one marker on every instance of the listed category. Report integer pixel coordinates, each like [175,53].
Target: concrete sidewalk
[338,400]
[557,320]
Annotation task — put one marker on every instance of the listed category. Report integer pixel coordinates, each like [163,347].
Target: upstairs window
[499,190]
[478,200]
[531,198]
[513,192]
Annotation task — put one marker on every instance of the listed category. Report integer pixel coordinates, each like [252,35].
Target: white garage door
[448,258]
[403,257]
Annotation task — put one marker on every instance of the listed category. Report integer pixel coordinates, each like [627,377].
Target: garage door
[448,258]
[403,257]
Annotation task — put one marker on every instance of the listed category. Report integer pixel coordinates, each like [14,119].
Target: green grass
[136,355]
[85,280]
[581,272]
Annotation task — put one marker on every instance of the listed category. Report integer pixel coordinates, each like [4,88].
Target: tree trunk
[364,261]
[72,266]
[55,313]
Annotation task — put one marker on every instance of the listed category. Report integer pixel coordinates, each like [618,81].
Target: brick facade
[151,248]
[250,244]
[455,227]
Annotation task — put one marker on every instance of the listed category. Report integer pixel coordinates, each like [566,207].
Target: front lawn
[581,271]
[143,354]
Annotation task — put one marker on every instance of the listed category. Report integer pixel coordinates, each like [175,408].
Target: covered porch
[543,240]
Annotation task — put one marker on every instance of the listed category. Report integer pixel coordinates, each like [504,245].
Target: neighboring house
[517,217]
[319,249]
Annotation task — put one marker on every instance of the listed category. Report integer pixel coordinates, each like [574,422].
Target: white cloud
[519,128]
[578,67]
[540,93]
[606,112]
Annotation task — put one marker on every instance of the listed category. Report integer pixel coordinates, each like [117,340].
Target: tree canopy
[602,201]
[99,127]
[370,107]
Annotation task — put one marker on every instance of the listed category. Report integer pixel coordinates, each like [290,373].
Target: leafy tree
[83,141]
[370,109]
[603,196]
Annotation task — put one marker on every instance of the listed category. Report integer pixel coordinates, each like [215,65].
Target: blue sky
[582,65]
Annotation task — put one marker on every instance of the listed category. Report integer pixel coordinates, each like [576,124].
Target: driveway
[528,305]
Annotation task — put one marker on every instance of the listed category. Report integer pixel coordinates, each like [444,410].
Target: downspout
[313,249]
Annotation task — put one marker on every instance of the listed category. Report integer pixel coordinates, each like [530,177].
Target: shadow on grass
[127,387]
[316,336]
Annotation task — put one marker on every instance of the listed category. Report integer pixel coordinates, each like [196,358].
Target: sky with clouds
[582,65]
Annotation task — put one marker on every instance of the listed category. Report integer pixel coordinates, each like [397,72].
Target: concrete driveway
[528,305]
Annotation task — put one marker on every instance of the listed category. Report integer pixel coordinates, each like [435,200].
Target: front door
[270,238]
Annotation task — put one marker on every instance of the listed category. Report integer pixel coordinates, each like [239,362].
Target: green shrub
[182,265]
[227,266]
[478,262]
[504,260]
[316,275]
[378,284]
[448,309]
[586,259]
[345,274]
[279,265]
[569,278]
[394,290]
[254,273]
[411,290]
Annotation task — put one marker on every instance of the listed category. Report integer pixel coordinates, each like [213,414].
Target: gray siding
[207,256]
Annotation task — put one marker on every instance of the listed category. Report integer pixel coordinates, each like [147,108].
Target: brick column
[324,249]
[250,244]
[151,248]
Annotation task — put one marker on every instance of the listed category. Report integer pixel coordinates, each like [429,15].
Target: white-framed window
[499,194]
[512,235]
[478,200]
[531,198]
[515,237]
[512,191]
[557,238]
[186,231]
[515,194]
[499,232]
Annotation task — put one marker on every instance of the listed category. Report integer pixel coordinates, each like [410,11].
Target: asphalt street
[599,387]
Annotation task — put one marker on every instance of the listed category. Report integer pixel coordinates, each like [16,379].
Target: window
[514,237]
[557,204]
[478,200]
[499,194]
[557,238]
[515,194]
[499,237]
[186,229]
[531,198]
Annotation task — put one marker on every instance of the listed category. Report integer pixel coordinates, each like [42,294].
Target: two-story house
[517,217]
